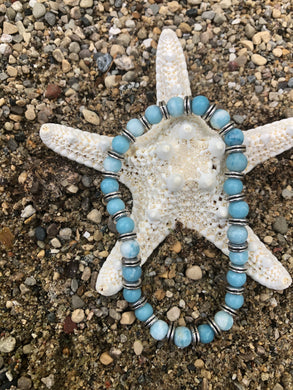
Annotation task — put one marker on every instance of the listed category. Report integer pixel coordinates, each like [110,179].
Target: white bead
[164,151]
[185,131]
[175,182]
[216,147]
[207,181]
[154,215]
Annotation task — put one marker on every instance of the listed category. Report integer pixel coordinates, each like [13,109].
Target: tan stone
[277,52]
[257,59]
[127,318]
[66,67]
[177,247]
[262,36]
[184,27]
[9,28]
[91,117]
[106,359]
[194,273]
[77,316]
[137,347]
[11,71]
[174,6]
[248,44]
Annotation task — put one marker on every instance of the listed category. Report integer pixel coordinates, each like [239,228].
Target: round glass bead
[109,185]
[182,337]
[220,119]
[129,248]
[144,312]
[235,279]
[199,105]
[237,234]
[238,209]
[124,225]
[131,274]
[223,320]
[233,186]
[238,258]
[112,164]
[115,205]
[175,106]
[135,127]
[131,296]
[153,114]
[234,137]
[236,162]
[234,301]
[206,333]
[120,144]
[159,330]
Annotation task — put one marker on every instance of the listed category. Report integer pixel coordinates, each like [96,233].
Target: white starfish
[175,172]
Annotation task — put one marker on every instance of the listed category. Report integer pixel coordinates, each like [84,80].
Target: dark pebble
[8,385]
[85,21]
[52,230]
[233,66]
[86,181]
[71,269]
[85,53]
[20,137]
[192,12]
[69,325]
[251,78]
[191,367]
[141,379]
[282,85]
[12,145]
[118,3]
[53,91]
[17,110]
[76,302]
[40,233]
[104,62]
[51,317]
[280,225]
[50,18]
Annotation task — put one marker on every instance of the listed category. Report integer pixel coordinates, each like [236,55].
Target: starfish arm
[171,70]
[80,146]
[268,141]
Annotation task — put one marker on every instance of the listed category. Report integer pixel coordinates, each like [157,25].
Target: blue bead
[235,279]
[238,258]
[129,248]
[112,164]
[135,127]
[238,209]
[234,301]
[159,330]
[143,313]
[206,333]
[124,225]
[131,296]
[175,106]
[153,114]
[120,144]
[236,162]
[223,320]
[131,274]
[115,205]
[233,186]
[109,185]
[234,137]
[220,119]
[237,234]
[199,105]
[182,337]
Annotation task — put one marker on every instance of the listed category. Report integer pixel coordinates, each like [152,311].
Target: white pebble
[194,273]
[28,211]
[173,314]
[7,344]
[137,347]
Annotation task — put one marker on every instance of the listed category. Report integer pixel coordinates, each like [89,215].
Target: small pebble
[39,10]
[7,344]
[49,381]
[53,91]
[91,117]
[94,216]
[257,59]
[194,273]
[177,247]
[103,62]
[55,243]
[127,318]
[76,302]
[106,359]
[30,281]
[24,383]
[280,225]
[65,234]
[86,274]
[28,211]
[40,233]
[77,316]
[137,347]
[173,314]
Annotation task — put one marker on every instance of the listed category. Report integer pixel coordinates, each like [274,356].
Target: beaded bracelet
[236,162]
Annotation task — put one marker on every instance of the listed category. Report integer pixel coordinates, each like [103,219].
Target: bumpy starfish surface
[175,172]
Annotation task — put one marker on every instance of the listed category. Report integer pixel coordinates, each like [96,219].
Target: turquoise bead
[131,296]
[235,279]
[237,234]
[234,137]
[233,186]
[238,209]
[223,320]
[199,105]
[143,313]
[124,225]
[206,333]
[236,162]
[129,248]
[131,274]
[135,127]
[220,119]
[109,185]
[182,337]
[112,164]
[234,301]
[115,205]
[175,106]
[120,144]
[238,258]
[153,115]
[159,330]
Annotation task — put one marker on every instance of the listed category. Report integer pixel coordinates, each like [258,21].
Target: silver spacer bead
[236,198]
[145,122]
[130,262]
[111,175]
[238,221]
[195,335]
[131,285]
[164,109]
[187,105]
[128,135]
[237,247]
[171,332]
[228,310]
[237,268]
[234,175]
[235,149]
[120,214]
[115,155]
[214,326]
[235,290]
[112,195]
[209,113]
[225,129]
[150,321]
[127,236]
[138,304]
